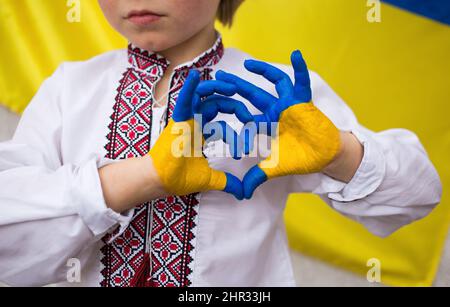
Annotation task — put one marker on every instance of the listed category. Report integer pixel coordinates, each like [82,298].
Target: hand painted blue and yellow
[178,157]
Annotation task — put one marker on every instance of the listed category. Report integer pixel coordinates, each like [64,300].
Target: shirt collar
[155,64]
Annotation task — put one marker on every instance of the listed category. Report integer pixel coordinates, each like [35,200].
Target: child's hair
[227,9]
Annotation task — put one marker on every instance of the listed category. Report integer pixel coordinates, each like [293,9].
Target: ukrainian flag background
[394,73]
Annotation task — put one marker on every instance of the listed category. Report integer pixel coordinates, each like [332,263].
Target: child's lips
[143,18]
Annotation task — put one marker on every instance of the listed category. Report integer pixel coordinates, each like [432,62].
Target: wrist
[151,183]
[347,161]
[129,183]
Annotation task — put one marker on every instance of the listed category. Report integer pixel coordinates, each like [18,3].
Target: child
[77,182]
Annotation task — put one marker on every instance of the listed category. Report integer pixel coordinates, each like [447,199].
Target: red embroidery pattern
[173,232]
[162,231]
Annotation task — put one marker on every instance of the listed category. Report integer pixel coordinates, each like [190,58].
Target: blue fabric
[438,10]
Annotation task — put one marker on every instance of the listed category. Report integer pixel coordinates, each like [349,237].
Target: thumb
[253,179]
[221,181]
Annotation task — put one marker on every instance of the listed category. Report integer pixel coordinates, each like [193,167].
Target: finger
[221,181]
[210,87]
[261,124]
[248,136]
[252,180]
[220,130]
[207,88]
[234,187]
[261,99]
[283,83]
[216,104]
[264,124]
[302,87]
[183,109]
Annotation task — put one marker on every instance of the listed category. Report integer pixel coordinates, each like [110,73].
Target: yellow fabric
[392,74]
[306,142]
[36,38]
[179,161]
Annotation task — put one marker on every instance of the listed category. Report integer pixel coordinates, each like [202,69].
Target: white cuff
[86,195]
[367,178]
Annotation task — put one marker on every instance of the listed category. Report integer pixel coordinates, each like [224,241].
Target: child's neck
[183,53]
[191,48]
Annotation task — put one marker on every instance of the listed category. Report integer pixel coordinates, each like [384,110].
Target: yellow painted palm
[303,139]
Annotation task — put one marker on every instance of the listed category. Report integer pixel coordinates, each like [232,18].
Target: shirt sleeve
[395,183]
[50,211]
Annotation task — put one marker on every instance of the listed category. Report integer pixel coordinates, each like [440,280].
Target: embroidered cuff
[367,178]
[87,195]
